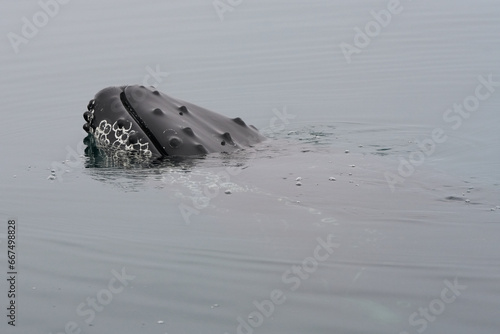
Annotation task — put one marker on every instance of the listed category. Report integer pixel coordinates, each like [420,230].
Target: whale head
[143,120]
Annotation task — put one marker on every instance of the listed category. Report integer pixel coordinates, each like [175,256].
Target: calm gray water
[399,235]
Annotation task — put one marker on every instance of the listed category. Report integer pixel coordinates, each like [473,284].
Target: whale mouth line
[141,123]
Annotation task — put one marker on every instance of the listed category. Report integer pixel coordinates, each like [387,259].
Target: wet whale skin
[144,120]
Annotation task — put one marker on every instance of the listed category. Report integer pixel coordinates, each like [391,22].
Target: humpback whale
[143,120]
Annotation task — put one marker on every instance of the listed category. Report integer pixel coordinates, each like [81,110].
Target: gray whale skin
[143,120]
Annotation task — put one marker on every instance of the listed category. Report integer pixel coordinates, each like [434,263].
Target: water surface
[420,256]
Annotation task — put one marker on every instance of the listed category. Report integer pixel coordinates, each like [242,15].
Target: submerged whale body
[143,120]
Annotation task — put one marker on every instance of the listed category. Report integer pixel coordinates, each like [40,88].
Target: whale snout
[146,121]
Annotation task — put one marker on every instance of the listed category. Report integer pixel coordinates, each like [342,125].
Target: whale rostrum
[143,120]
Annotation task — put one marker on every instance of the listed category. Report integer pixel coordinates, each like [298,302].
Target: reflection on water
[98,156]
